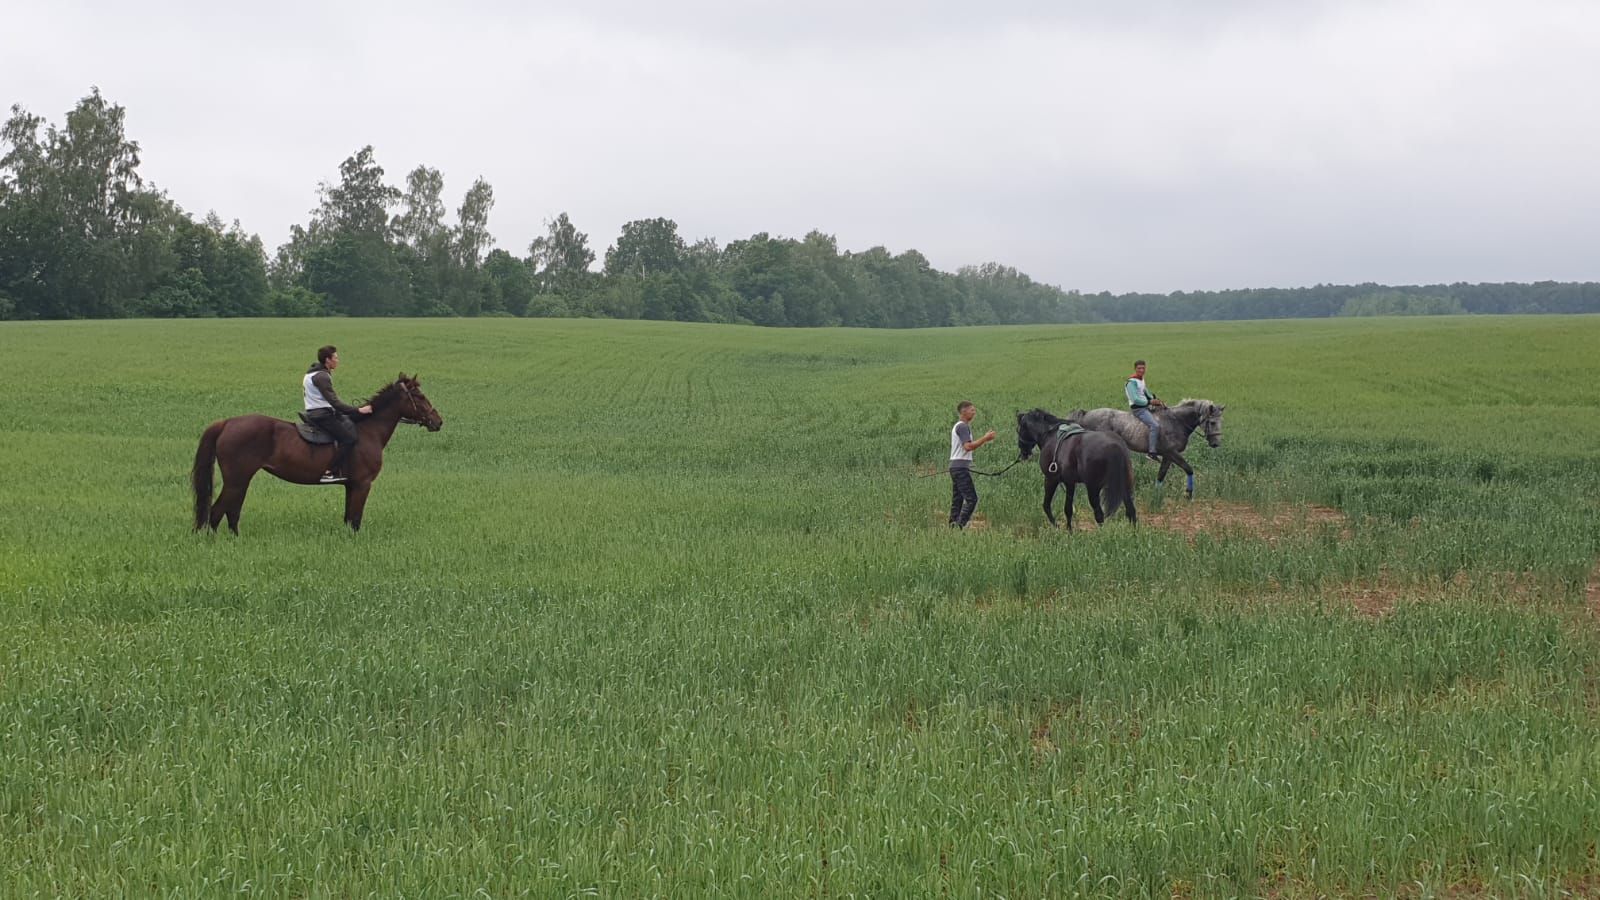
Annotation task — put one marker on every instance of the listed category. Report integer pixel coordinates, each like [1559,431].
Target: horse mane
[1042,415]
[391,392]
[1192,411]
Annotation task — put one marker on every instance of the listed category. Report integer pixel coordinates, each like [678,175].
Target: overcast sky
[1156,146]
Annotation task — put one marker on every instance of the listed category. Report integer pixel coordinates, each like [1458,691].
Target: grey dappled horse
[1177,423]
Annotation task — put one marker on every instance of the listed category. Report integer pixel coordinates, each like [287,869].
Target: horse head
[1211,422]
[1025,441]
[418,409]
[1031,429]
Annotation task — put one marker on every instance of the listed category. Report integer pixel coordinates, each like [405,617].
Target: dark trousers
[963,497]
[343,431]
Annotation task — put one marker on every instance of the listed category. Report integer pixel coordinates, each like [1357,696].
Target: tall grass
[665,609]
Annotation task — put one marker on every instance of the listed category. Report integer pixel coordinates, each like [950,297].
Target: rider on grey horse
[1140,402]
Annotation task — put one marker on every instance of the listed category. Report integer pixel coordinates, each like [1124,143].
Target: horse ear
[1220,407]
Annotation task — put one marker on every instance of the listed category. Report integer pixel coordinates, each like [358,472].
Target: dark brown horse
[1075,455]
[244,445]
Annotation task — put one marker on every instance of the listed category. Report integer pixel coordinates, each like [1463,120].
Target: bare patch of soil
[1040,739]
[1373,600]
[1193,518]
[1072,721]
[1377,597]
[1218,517]
[1368,597]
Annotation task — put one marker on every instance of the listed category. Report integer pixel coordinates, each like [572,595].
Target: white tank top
[314,398]
[958,447]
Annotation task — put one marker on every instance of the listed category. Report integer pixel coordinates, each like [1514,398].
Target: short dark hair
[1137,363]
[962,405]
[325,352]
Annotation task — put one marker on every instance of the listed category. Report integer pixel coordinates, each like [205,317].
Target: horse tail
[1133,515]
[1118,491]
[205,458]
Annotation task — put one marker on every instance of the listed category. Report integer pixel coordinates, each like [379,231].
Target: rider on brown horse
[326,411]
[245,445]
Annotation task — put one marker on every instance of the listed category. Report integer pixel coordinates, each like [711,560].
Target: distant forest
[83,236]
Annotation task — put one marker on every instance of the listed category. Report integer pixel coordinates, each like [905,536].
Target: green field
[666,610]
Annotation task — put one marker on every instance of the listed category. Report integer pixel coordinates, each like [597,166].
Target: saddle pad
[1068,429]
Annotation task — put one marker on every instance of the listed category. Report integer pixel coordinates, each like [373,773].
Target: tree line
[82,235]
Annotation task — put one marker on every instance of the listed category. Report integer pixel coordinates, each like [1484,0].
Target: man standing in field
[963,495]
[1141,402]
[325,410]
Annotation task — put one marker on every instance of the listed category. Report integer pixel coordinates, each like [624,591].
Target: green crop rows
[667,610]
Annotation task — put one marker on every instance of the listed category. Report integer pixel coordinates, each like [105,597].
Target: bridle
[411,404]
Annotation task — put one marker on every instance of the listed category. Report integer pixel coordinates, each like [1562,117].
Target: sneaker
[331,478]
[1154,456]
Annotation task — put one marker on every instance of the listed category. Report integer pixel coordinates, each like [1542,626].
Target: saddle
[311,433]
[1063,431]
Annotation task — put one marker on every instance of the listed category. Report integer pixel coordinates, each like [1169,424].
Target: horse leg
[231,502]
[1072,497]
[1093,490]
[1188,470]
[355,500]
[1161,476]
[1050,485]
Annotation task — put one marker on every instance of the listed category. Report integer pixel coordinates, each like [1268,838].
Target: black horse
[1098,460]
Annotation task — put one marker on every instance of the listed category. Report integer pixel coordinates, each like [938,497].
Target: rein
[975,471]
[1001,472]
